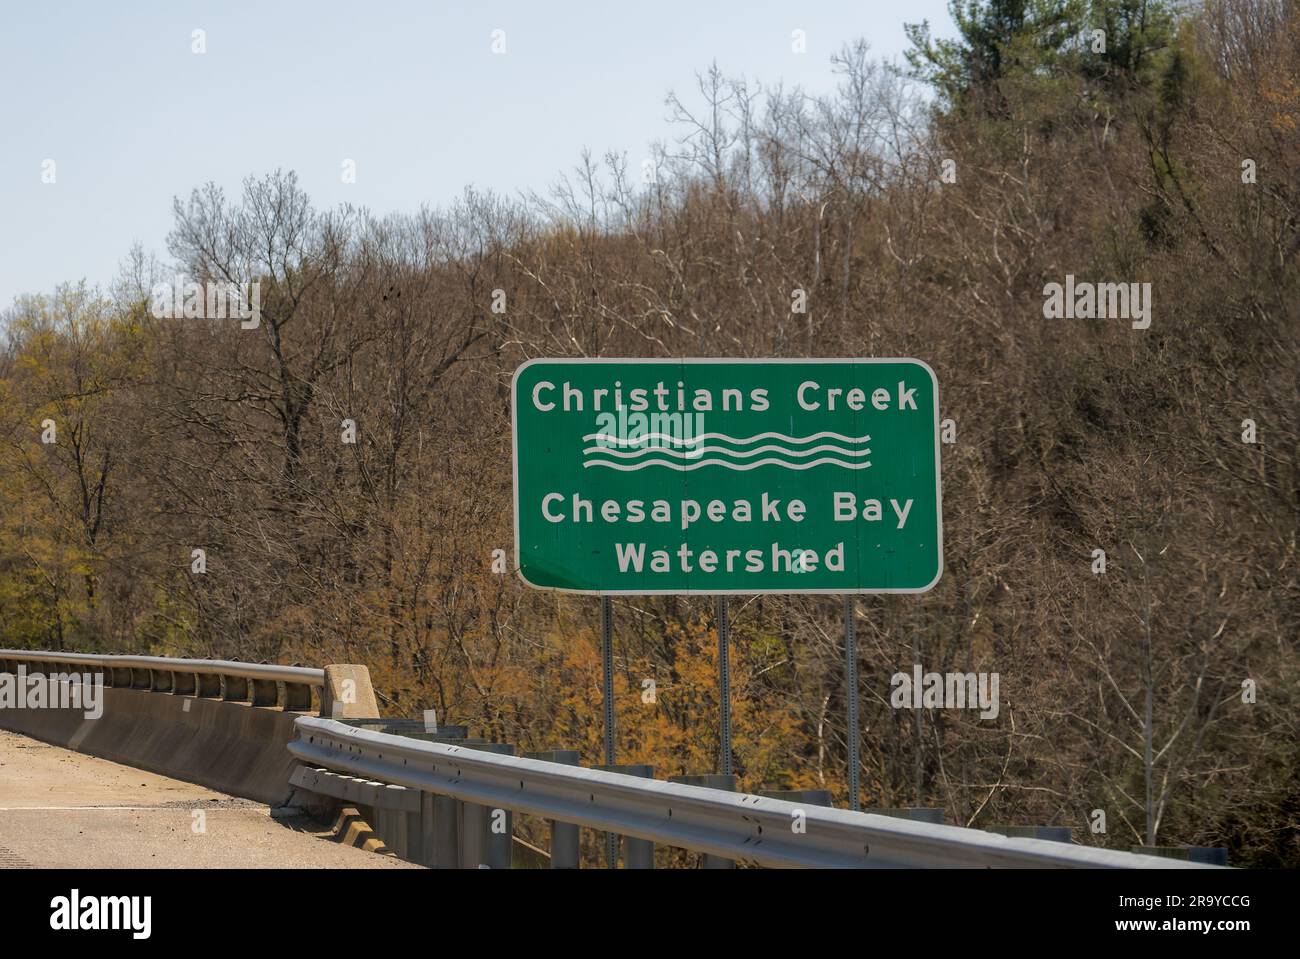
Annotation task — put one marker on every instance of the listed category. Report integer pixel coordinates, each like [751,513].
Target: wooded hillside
[916,212]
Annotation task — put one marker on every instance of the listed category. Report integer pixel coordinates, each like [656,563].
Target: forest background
[919,211]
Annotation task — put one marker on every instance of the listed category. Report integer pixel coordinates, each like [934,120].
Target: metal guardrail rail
[215,678]
[738,826]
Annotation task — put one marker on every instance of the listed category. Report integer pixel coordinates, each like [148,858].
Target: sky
[412,92]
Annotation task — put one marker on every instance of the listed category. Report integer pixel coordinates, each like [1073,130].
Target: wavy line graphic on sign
[693,441]
[655,449]
[700,451]
[687,467]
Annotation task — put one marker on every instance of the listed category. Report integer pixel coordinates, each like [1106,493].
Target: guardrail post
[446,833]
[379,825]
[487,832]
[208,685]
[234,689]
[160,680]
[473,820]
[727,783]
[407,829]
[637,853]
[183,684]
[932,814]
[1209,855]
[1052,833]
[806,797]
[297,697]
[423,836]
[440,826]
[395,831]
[266,692]
[566,837]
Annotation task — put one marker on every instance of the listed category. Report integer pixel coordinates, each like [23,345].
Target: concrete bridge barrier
[223,725]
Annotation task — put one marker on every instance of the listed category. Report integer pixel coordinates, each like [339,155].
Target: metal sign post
[607,662]
[851,688]
[724,685]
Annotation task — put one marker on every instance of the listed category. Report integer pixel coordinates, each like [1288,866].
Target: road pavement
[63,809]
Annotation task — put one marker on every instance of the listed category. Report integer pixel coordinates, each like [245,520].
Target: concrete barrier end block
[347,693]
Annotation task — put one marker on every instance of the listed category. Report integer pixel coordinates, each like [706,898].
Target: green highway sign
[727,476]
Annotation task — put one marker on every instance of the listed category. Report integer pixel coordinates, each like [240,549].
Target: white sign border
[667,361]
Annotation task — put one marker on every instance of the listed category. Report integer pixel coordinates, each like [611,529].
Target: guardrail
[734,826]
[231,680]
